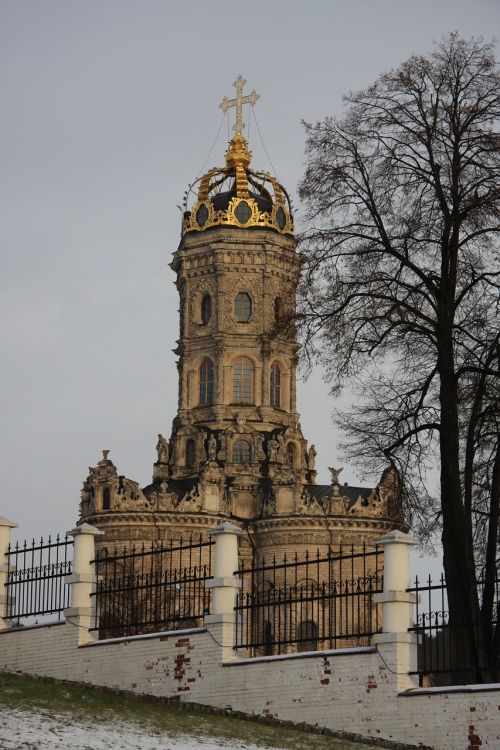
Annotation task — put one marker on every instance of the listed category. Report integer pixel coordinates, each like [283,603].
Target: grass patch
[91,704]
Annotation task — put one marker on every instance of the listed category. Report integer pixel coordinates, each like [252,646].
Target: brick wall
[350,691]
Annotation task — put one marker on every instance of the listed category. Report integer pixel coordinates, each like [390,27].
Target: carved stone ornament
[335,473]
[162,450]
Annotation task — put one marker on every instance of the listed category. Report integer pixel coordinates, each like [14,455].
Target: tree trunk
[466,637]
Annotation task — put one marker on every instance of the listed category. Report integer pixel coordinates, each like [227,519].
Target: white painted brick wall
[351,691]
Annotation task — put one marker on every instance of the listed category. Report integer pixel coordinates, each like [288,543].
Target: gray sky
[108,110]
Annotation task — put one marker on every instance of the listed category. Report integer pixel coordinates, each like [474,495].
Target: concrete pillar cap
[396,537]
[85,528]
[10,524]
[226,528]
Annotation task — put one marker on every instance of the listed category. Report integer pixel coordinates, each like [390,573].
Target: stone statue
[311,457]
[162,450]
[212,447]
[335,474]
[273,447]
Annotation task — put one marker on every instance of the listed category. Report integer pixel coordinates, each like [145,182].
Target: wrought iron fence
[142,590]
[321,601]
[444,652]
[35,579]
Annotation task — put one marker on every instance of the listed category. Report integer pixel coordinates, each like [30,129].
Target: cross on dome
[238,102]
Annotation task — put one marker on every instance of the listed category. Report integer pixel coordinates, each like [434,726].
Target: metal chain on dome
[262,141]
[200,173]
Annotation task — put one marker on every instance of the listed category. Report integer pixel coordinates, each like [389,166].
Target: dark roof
[320,491]
[178,486]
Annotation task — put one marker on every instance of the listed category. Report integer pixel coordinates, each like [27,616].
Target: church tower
[236,449]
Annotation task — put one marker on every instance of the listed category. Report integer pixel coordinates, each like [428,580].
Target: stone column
[293,386]
[266,376]
[82,580]
[224,587]
[396,646]
[5,529]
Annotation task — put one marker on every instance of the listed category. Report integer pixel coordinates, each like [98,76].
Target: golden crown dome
[237,196]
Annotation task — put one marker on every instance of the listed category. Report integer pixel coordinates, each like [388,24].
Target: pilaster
[82,580]
[396,646]
[6,527]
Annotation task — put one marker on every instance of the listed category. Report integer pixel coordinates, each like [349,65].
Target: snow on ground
[30,729]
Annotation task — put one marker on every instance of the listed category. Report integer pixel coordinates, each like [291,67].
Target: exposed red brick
[325,681]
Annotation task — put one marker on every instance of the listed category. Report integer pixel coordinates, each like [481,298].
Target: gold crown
[237,196]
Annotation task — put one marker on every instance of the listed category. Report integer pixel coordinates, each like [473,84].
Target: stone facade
[236,449]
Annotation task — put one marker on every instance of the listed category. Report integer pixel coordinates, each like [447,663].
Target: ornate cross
[238,102]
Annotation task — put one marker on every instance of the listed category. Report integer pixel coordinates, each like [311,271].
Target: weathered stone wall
[349,691]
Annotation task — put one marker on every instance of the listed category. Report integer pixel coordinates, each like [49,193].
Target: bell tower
[237,273]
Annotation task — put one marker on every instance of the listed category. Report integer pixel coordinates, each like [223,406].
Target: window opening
[106,499]
[242,381]
[275,385]
[307,636]
[243,307]
[241,452]
[206,309]
[190,453]
[206,382]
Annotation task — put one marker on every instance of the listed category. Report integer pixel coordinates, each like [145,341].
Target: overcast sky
[108,110]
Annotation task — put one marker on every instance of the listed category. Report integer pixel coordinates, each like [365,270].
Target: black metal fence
[322,601]
[445,656]
[35,580]
[142,590]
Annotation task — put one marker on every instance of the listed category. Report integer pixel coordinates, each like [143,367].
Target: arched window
[190,453]
[243,381]
[106,498]
[275,385]
[268,637]
[243,307]
[206,309]
[206,382]
[291,454]
[241,452]
[307,636]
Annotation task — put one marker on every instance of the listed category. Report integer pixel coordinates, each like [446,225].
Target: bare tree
[400,296]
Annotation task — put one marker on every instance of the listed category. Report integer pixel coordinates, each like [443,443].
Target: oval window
[202,215]
[243,212]
[281,218]
[206,308]
[243,307]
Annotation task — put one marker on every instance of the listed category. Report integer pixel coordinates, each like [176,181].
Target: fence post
[5,527]
[224,585]
[82,581]
[395,645]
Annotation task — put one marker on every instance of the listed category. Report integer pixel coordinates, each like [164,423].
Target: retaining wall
[353,690]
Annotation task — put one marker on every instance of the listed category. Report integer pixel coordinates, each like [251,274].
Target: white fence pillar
[5,530]
[225,586]
[82,580]
[396,646]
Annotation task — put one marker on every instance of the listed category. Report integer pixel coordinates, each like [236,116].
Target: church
[236,450]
